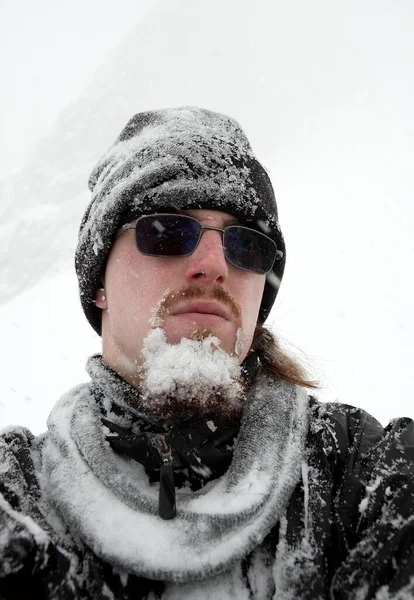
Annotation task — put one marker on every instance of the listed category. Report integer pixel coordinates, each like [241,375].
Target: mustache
[196,292]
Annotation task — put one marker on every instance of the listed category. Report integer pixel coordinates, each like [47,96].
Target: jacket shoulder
[354,428]
[346,425]
[372,500]
[33,564]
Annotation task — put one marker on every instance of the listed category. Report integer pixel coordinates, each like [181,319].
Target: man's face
[184,293]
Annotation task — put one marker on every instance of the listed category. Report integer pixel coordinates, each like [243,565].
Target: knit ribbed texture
[114,508]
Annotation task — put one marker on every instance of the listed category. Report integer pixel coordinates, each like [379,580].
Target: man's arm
[375,511]
[31,566]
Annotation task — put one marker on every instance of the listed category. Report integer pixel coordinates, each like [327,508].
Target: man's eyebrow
[231,221]
[226,222]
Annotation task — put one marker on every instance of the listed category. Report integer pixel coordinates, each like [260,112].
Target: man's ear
[100,298]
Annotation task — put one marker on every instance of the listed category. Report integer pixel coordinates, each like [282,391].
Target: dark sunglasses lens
[167,235]
[249,250]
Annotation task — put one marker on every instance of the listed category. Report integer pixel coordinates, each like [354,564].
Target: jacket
[316,501]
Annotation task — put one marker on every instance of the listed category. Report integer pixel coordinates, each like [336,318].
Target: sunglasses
[171,235]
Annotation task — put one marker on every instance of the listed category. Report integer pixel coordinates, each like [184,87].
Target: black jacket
[348,531]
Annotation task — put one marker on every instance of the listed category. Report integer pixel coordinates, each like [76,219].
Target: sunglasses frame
[133,224]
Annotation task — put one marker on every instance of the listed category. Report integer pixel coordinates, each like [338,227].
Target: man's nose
[207,263]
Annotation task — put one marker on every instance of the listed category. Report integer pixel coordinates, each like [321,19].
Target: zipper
[166,498]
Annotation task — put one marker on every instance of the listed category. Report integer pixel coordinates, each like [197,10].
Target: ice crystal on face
[156,318]
[241,341]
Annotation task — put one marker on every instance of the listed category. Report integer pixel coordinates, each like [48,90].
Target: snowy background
[325,92]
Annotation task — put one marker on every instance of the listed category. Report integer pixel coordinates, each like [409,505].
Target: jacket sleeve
[374,509]
[28,558]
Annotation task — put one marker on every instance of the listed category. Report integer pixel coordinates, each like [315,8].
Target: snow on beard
[194,376]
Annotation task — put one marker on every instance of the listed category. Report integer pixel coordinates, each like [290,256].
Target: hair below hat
[186,158]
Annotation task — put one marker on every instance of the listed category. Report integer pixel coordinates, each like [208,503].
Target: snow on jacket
[317,502]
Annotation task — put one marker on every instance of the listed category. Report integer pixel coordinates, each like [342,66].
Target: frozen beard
[193,377]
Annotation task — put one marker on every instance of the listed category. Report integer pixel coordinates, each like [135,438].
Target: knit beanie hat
[181,158]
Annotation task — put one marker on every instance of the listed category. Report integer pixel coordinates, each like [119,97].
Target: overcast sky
[49,52]
[325,91]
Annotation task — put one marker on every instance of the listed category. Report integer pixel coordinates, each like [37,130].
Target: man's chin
[193,377]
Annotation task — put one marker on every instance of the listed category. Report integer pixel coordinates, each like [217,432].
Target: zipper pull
[166,500]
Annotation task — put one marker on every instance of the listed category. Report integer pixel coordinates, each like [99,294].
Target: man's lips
[202,307]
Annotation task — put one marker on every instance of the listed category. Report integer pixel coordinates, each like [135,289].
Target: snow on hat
[186,158]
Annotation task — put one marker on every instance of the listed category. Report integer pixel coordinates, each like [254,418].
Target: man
[194,464]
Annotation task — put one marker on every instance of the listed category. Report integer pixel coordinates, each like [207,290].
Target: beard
[192,378]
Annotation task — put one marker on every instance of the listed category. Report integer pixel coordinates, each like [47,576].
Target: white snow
[334,129]
[370,489]
[37,532]
[363,505]
[241,341]
[191,371]
[305,481]
[107,516]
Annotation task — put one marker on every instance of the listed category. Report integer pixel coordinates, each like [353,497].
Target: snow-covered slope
[45,344]
[325,93]
[300,76]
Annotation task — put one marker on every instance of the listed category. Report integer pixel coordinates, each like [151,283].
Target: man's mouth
[202,309]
